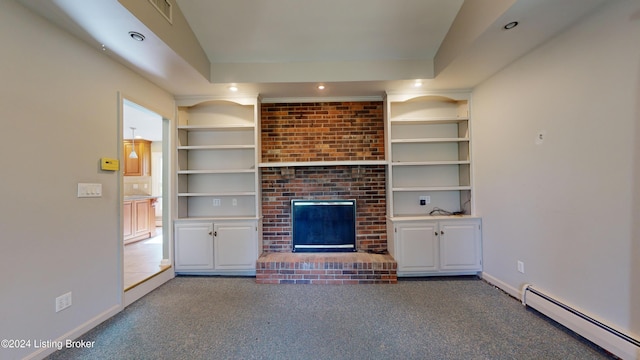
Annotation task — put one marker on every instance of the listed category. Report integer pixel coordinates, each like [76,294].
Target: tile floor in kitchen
[142,260]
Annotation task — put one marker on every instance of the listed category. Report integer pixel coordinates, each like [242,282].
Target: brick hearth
[326,268]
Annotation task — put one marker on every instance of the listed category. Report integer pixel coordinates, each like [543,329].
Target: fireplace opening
[323,225]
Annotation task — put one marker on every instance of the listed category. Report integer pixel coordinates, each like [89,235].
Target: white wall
[566,207]
[59,116]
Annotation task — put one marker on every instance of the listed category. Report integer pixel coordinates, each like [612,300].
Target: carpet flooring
[235,318]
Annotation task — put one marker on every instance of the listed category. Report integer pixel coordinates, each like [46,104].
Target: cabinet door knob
[441,232]
[210,232]
[436,233]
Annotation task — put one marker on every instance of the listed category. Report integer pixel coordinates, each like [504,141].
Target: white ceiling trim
[321,71]
[321,99]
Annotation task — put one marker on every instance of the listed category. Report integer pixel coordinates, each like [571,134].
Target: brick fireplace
[366,184]
[324,151]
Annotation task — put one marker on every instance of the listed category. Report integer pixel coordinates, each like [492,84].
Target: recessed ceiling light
[136,36]
[320,87]
[510,25]
[417,83]
[233,88]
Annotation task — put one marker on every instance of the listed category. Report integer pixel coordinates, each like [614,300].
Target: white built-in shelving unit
[429,154]
[217,160]
[429,159]
[218,190]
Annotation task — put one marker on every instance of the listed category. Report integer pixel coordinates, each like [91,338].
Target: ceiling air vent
[164,7]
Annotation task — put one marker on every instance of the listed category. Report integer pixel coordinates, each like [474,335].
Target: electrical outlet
[520,266]
[216,202]
[63,301]
[234,202]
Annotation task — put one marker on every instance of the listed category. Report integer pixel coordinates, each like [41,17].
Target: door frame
[160,278]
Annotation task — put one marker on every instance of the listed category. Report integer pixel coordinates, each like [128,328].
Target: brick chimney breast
[323,132]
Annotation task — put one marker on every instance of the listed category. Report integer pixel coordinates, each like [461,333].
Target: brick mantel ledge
[323,163]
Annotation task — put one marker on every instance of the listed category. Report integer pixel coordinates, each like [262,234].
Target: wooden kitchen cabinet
[138,219]
[142,165]
[127,219]
[141,211]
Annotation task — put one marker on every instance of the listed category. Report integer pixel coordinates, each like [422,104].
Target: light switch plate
[89,190]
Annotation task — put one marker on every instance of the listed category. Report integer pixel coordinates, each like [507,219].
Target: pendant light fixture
[132,154]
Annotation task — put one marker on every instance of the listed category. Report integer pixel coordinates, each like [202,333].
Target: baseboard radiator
[612,340]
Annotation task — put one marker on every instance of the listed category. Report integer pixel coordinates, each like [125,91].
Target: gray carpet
[235,318]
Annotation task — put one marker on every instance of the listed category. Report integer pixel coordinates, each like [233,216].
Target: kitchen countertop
[139,197]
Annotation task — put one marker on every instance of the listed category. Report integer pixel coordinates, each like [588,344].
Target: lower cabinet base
[138,238]
[246,273]
[432,274]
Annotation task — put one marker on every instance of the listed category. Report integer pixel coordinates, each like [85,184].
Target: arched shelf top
[452,96]
[191,101]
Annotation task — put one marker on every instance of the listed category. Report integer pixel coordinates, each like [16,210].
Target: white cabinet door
[236,246]
[460,245]
[438,247]
[417,247]
[194,246]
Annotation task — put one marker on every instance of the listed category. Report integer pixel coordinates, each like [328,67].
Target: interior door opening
[145,236]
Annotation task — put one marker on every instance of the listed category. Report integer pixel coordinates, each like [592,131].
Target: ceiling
[282,31]
[283,49]
[147,124]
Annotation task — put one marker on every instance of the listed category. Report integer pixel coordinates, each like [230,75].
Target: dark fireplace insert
[323,225]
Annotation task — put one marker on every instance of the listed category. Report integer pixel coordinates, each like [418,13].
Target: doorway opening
[145,234]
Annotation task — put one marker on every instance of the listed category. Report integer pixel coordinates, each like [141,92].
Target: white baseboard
[516,293]
[75,333]
[129,297]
